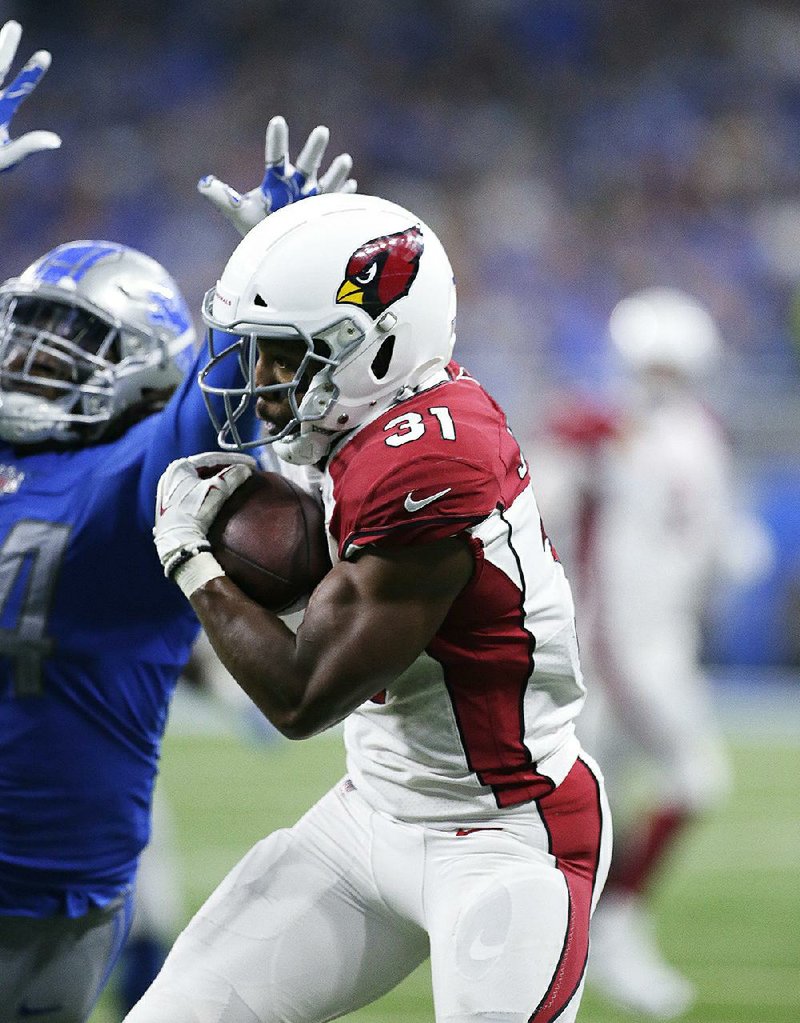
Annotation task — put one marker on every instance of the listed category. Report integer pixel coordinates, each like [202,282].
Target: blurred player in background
[640,497]
[470,827]
[97,394]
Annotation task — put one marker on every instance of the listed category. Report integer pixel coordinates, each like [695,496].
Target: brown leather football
[269,538]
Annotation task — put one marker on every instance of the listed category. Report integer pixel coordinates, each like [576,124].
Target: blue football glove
[283,182]
[14,150]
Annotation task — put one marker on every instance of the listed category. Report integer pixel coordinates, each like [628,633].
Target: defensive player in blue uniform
[93,336]
[97,396]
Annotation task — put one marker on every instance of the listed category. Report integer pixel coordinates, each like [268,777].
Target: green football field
[728,911]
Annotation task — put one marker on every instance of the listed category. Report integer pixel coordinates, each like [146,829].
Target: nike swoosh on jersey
[411,505]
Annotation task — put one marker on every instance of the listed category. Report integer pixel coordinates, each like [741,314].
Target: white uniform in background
[638,501]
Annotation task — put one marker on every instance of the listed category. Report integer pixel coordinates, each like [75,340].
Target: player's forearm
[292,682]
[255,646]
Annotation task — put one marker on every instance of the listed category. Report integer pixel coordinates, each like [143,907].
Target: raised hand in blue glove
[14,150]
[283,181]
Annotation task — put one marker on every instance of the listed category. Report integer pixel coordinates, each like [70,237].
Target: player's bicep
[370,619]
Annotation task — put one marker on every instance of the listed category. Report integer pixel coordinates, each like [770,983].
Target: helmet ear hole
[381,362]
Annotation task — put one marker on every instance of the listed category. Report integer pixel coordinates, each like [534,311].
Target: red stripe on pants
[573,817]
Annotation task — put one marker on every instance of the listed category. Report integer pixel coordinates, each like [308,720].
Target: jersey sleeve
[414,501]
[426,469]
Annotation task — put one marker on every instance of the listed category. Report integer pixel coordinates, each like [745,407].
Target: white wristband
[196,572]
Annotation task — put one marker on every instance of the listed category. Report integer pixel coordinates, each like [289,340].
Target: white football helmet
[363,284]
[89,332]
[665,329]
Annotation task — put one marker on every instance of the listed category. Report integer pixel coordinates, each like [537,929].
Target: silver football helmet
[363,284]
[90,331]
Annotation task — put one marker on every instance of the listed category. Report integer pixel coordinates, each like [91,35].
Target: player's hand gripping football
[190,493]
[14,150]
[283,182]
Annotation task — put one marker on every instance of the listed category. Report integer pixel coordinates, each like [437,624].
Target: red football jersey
[482,722]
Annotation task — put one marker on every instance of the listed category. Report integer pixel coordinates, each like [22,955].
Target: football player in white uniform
[470,825]
[647,487]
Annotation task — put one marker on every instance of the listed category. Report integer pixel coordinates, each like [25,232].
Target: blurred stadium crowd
[567,152]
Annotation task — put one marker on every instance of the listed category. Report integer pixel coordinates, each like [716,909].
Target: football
[269,537]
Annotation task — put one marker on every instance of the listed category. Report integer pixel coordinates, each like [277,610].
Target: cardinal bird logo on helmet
[382,270]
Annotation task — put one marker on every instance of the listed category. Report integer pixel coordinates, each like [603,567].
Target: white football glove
[188,501]
[14,150]
[283,183]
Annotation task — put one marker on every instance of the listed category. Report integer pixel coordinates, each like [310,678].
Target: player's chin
[273,430]
[274,421]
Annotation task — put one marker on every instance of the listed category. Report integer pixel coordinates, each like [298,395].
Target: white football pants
[323,918]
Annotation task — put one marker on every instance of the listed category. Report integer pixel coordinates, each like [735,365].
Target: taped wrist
[194,568]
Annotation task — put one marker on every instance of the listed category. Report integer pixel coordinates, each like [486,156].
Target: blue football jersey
[92,641]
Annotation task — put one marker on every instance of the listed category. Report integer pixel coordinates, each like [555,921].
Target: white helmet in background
[367,288]
[91,333]
[665,329]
